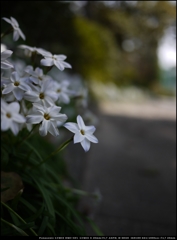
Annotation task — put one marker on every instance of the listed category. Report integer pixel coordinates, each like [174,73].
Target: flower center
[82,132]
[8,115]
[41,95]
[16,84]
[54,58]
[46,116]
[59,90]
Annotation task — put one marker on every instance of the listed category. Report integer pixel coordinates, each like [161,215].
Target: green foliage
[44,207]
[96,50]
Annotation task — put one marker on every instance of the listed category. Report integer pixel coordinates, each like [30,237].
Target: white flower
[83,134]
[17,31]
[48,117]
[37,76]
[43,94]
[16,85]
[20,67]
[4,63]
[10,117]
[62,91]
[57,60]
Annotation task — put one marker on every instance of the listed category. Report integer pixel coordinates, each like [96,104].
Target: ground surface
[133,167]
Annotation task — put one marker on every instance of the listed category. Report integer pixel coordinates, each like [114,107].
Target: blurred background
[125,52]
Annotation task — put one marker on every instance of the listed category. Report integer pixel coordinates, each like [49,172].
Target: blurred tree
[137,27]
[105,42]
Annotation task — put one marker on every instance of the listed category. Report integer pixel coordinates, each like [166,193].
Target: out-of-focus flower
[90,118]
[83,134]
[4,63]
[43,94]
[82,97]
[63,92]
[17,32]
[48,117]
[57,60]
[3,47]
[10,117]
[29,50]
[16,85]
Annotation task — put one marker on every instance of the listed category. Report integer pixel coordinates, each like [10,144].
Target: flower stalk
[25,138]
[54,152]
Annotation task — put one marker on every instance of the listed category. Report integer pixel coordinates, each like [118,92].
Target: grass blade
[23,233]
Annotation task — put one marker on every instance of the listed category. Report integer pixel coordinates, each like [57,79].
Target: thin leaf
[5,231]
[43,225]
[28,205]
[9,208]
[34,150]
[23,233]
[37,214]
[46,197]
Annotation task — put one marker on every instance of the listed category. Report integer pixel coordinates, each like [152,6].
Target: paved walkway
[134,168]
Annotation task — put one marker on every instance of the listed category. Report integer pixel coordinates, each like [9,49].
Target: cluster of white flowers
[30,97]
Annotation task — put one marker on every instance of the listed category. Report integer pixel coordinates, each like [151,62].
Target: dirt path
[134,168]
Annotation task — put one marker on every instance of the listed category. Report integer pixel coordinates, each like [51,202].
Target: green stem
[33,58]
[48,69]
[25,138]
[54,152]
[9,30]
[10,209]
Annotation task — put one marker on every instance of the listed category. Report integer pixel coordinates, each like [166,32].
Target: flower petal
[6,65]
[34,119]
[60,57]
[59,117]
[16,35]
[66,65]
[24,86]
[59,65]
[47,62]
[14,107]
[14,21]
[53,130]
[7,20]
[80,122]
[6,54]
[18,118]
[91,138]
[44,127]
[73,127]
[21,34]
[78,137]
[14,77]
[18,93]
[32,96]
[15,128]
[85,144]
[5,123]
[8,88]
[90,129]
